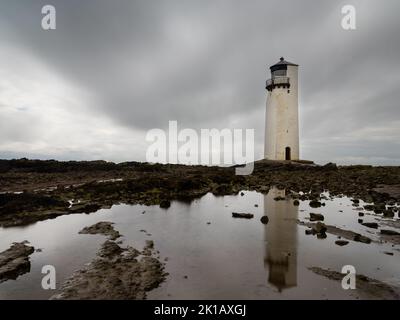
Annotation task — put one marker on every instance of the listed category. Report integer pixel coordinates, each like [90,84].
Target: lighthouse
[282,119]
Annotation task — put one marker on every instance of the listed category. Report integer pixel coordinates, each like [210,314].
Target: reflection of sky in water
[227,259]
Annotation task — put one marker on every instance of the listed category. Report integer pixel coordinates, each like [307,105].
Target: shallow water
[226,259]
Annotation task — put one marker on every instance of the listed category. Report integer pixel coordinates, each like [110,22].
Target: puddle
[211,255]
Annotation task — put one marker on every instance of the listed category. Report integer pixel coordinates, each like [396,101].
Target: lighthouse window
[279,73]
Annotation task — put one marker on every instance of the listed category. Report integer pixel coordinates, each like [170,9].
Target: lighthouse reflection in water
[280,258]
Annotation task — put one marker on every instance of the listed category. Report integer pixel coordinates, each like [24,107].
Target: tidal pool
[209,254]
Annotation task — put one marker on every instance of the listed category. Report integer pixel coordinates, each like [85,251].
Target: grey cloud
[205,63]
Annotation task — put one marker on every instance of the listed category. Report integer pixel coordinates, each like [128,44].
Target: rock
[320,227]
[242,194]
[360,221]
[389,232]
[373,225]
[361,238]
[104,228]
[315,204]
[15,261]
[149,244]
[316,217]
[379,208]
[256,205]
[361,214]
[116,273]
[222,189]
[368,288]
[346,234]
[264,219]
[242,215]
[110,249]
[329,166]
[165,204]
[321,235]
[369,207]
[296,203]
[388,213]
[341,242]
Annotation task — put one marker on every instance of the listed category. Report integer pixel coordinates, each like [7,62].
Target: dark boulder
[390,232]
[165,204]
[315,204]
[341,242]
[264,219]
[316,217]
[242,215]
[373,225]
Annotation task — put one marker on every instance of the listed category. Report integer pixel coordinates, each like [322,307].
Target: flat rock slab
[366,288]
[341,242]
[242,215]
[116,273]
[15,261]
[372,225]
[390,232]
[104,228]
[316,217]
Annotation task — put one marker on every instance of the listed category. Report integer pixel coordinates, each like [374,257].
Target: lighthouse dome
[283,62]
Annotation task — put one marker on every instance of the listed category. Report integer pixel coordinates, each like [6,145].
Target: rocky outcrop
[15,261]
[116,273]
[104,228]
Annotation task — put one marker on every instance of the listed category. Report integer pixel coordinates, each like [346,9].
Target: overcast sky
[112,70]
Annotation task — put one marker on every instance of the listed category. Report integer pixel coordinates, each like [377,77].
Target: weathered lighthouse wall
[282,124]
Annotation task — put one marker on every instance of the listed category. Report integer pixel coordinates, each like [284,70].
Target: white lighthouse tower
[282,120]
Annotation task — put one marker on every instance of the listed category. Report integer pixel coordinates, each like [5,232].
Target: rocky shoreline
[33,190]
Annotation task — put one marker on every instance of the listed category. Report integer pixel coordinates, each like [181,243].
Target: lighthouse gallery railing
[279,81]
